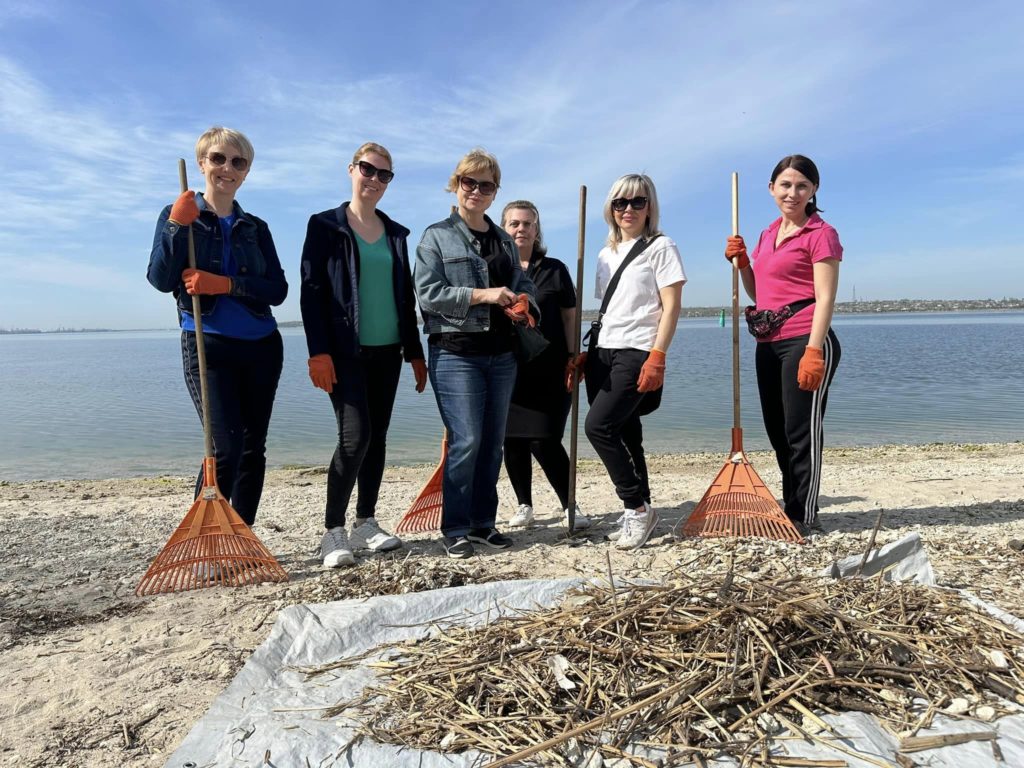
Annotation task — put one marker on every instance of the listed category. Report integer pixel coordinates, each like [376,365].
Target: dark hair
[805,166]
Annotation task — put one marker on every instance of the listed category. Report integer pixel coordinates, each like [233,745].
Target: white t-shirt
[634,311]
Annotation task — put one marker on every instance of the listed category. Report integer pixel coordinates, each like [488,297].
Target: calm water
[114,404]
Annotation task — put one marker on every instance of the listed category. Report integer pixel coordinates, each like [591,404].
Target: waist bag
[766,322]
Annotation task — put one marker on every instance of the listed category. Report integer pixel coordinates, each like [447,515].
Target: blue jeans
[473,394]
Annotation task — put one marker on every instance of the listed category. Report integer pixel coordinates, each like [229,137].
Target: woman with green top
[359,314]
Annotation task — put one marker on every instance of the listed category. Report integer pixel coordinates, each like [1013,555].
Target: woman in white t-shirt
[625,369]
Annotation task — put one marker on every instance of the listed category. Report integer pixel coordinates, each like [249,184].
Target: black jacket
[330,286]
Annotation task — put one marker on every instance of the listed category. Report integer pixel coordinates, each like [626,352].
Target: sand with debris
[94,676]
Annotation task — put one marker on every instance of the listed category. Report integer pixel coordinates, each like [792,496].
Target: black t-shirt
[498,339]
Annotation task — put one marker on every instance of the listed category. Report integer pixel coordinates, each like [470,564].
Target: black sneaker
[490,537]
[458,548]
[810,530]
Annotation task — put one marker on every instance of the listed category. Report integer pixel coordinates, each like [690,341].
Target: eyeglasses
[637,203]
[239,163]
[369,171]
[487,188]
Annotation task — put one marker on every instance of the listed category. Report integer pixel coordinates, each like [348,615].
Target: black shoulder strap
[638,247]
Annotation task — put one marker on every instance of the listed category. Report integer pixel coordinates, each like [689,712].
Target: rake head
[739,504]
[425,512]
[211,546]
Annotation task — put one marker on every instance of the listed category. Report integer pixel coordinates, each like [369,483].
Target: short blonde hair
[476,160]
[632,185]
[377,149]
[220,135]
[538,245]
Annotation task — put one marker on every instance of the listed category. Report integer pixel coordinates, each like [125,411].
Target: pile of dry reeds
[693,668]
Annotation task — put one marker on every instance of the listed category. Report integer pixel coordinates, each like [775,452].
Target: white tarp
[270,709]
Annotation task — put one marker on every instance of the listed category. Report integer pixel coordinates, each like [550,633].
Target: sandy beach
[94,676]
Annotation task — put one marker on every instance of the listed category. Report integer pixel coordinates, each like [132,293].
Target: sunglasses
[369,171]
[637,203]
[218,158]
[487,188]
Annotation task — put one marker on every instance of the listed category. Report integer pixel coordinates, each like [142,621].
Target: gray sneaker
[335,549]
[637,527]
[368,535]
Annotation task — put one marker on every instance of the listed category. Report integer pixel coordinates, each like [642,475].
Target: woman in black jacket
[359,314]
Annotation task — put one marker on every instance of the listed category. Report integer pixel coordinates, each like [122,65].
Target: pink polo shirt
[785,274]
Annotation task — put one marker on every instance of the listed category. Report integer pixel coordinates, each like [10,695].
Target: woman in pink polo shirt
[793,275]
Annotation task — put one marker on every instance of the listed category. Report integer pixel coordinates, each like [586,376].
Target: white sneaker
[580,521]
[615,533]
[637,527]
[334,548]
[523,518]
[369,535]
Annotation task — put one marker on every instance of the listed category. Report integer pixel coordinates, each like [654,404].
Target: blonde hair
[475,160]
[538,244]
[377,149]
[220,135]
[629,186]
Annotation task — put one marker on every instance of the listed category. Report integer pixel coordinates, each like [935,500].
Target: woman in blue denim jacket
[471,291]
[238,278]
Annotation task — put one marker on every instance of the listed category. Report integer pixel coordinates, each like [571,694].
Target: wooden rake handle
[197,315]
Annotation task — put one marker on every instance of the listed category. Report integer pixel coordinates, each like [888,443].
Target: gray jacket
[449,266]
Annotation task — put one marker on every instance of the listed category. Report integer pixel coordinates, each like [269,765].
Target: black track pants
[794,419]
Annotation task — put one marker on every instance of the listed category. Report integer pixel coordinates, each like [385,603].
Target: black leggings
[242,377]
[551,456]
[794,419]
[363,399]
[613,422]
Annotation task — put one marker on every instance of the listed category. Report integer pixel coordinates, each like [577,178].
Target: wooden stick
[575,423]
[197,316]
[871,543]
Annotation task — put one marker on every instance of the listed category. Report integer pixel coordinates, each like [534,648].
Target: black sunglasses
[637,203]
[487,188]
[219,158]
[369,171]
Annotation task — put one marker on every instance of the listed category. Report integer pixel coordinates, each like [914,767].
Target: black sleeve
[315,289]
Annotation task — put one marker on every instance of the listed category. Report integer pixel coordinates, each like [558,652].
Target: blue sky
[908,110]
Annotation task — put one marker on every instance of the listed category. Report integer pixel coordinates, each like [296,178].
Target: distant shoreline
[842,308]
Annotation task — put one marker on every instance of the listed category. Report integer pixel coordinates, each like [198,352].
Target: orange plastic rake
[425,512]
[212,545]
[738,503]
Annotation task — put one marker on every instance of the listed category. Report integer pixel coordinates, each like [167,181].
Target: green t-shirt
[378,316]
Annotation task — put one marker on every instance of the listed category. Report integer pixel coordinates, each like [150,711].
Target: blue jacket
[259,282]
[330,286]
[449,266]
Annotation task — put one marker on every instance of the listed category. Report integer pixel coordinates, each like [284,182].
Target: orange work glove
[577,363]
[419,372]
[734,246]
[321,372]
[811,371]
[519,311]
[209,283]
[185,211]
[652,373]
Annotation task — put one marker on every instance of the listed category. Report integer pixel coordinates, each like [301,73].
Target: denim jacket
[330,286]
[259,282]
[449,266]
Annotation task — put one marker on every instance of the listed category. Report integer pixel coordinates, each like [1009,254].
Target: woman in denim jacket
[359,314]
[238,278]
[471,291]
